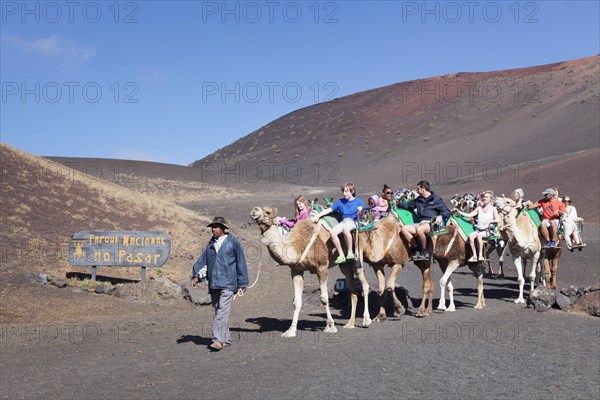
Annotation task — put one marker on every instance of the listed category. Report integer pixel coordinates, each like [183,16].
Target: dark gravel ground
[503,351]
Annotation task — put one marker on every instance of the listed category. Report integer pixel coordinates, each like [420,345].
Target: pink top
[301,216]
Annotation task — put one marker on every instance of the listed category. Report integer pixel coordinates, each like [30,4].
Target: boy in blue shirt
[348,207]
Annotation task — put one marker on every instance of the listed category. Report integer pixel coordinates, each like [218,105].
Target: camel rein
[240,292]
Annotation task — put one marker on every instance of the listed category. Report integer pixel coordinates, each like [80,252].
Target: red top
[549,206]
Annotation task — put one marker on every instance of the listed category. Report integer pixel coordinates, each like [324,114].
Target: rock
[100,289]
[41,278]
[167,288]
[198,296]
[153,289]
[542,298]
[59,283]
[563,302]
[571,293]
[588,303]
[109,289]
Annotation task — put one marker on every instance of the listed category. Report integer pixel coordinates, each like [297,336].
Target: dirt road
[503,351]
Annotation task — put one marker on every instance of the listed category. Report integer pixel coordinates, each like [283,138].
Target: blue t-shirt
[347,208]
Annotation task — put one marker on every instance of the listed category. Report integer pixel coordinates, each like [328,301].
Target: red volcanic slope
[445,129]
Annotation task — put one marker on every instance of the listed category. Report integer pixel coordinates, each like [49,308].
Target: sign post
[119,249]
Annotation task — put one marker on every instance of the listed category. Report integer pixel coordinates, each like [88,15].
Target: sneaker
[472,259]
[417,255]
[340,260]
[550,244]
[481,258]
[350,256]
[216,346]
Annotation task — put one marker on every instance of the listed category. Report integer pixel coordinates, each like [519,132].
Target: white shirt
[219,242]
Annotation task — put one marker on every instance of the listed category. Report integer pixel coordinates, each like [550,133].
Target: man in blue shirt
[227,273]
[426,207]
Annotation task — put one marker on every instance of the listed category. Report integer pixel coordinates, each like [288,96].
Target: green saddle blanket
[535,217]
[464,225]
[405,216]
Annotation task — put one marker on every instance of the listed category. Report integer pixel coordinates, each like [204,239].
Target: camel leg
[554,260]
[502,253]
[427,289]
[520,278]
[360,272]
[534,266]
[298,280]
[478,271]
[443,282]
[349,274]
[323,274]
[547,274]
[555,268]
[381,291]
[391,288]
[488,261]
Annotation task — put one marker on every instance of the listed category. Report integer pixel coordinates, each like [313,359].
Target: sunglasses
[387,192]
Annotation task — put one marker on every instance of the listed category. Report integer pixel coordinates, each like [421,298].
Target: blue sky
[174,81]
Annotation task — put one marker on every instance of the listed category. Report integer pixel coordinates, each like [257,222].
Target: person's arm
[442,209]
[321,214]
[573,215]
[240,265]
[531,205]
[289,224]
[411,205]
[200,263]
[464,214]
[361,205]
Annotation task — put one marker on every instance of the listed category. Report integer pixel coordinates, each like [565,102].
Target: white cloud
[54,46]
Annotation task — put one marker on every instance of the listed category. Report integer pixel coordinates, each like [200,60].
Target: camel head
[504,205]
[264,215]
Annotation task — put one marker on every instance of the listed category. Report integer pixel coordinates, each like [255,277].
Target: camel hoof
[381,318]
[502,276]
[399,312]
[330,329]
[349,325]
[451,309]
[519,300]
[366,322]
[478,307]
[441,307]
[289,333]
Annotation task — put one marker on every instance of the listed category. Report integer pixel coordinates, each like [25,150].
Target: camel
[523,240]
[380,247]
[450,251]
[308,248]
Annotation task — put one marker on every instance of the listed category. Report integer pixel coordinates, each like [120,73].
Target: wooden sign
[119,248]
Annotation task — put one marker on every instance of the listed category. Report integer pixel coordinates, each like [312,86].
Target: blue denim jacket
[226,269]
